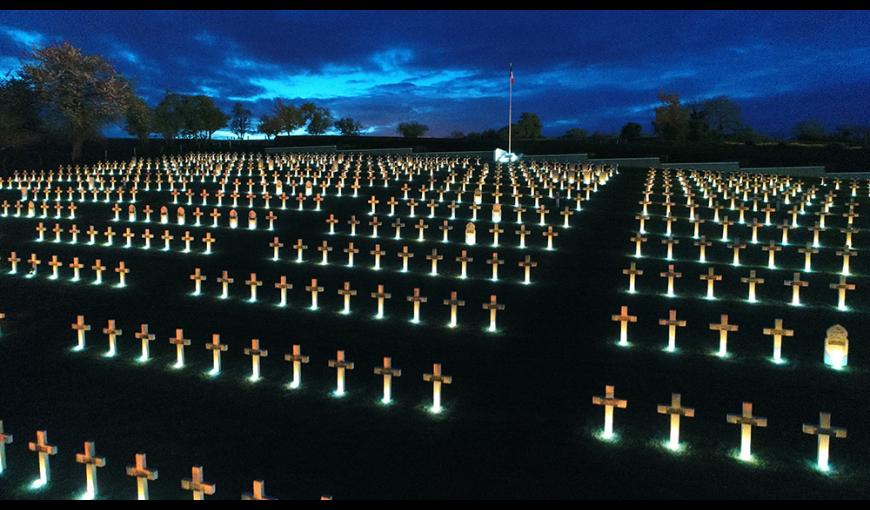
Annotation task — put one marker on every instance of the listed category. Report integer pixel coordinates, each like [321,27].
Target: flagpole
[510,107]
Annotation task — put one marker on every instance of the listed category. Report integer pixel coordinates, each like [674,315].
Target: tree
[288,116]
[671,119]
[241,120]
[575,134]
[456,134]
[809,131]
[139,119]
[319,118]
[80,93]
[168,118]
[722,115]
[19,114]
[631,131]
[269,126]
[697,129]
[412,129]
[348,127]
[528,127]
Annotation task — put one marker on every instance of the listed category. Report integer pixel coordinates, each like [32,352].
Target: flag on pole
[513,80]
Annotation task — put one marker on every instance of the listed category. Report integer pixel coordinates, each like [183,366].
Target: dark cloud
[595,69]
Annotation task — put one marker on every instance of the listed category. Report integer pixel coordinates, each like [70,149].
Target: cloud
[25,38]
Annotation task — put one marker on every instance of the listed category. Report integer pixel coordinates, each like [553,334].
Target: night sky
[595,70]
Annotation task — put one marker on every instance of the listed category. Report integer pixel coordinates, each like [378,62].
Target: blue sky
[596,70]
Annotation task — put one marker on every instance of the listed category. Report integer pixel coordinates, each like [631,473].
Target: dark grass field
[518,419]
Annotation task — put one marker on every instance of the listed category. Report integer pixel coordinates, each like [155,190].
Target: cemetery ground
[518,420]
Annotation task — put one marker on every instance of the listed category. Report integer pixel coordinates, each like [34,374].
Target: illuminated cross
[641,218]
[208,240]
[196,485]
[187,238]
[566,214]
[702,245]
[92,234]
[670,243]
[346,292]
[637,239]
[522,233]
[725,224]
[225,282]
[255,353]
[842,287]
[216,348]
[113,335]
[796,283]
[710,278]
[808,252]
[771,250]
[495,231]
[314,290]
[282,285]
[13,263]
[463,260]
[669,221]
[493,306]
[398,226]
[110,235]
[350,250]
[54,263]
[147,236]
[388,372]
[846,253]
[253,283]
[767,210]
[723,328]
[122,271]
[609,401]
[58,231]
[784,226]
[421,227]
[98,268]
[405,255]
[374,223]
[824,430]
[848,231]
[297,359]
[416,299]
[454,302]
[752,280]
[380,295]
[445,229]
[746,421]
[434,257]
[437,379]
[494,262]
[259,492]
[179,342]
[34,264]
[373,201]
[353,222]
[670,274]
[754,227]
[392,203]
[340,365]
[91,462]
[44,450]
[4,440]
[777,331]
[166,238]
[816,228]
[128,235]
[198,278]
[672,323]
[550,234]
[377,252]
[215,214]
[676,411]
[80,328]
[324,249]
[145,337]
[331,221]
